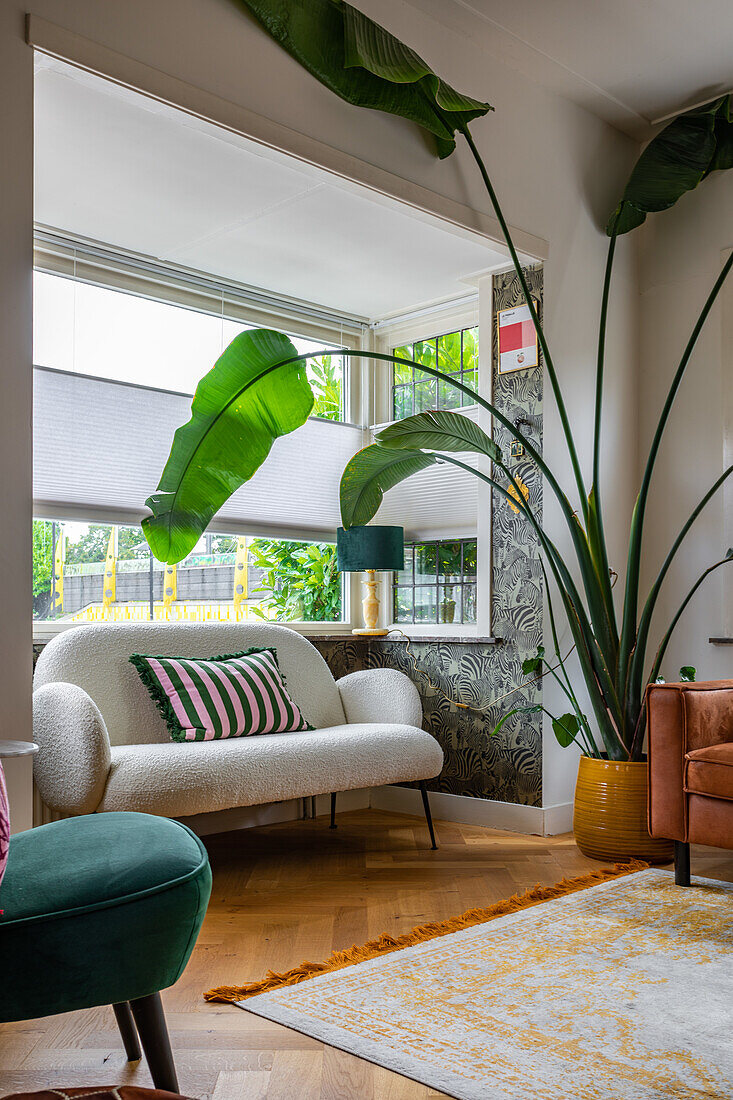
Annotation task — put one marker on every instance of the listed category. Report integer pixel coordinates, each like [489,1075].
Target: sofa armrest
[73,761]
[666,748]
[681,718]
[380,695]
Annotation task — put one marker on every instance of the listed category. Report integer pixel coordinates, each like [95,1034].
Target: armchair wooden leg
[150,1021]
[128,1031]
[681,863]
[428,815]
[333,811]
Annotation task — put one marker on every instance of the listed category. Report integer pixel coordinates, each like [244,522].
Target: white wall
[681,258]
[558,169]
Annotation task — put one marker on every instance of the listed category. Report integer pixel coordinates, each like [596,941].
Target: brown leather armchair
[690,751]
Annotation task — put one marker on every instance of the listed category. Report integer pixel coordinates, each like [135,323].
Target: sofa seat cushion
[98,909]
[709,771]
[178,780]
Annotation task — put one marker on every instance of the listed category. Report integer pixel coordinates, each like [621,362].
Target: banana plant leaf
[686,151]
[441,431]
[370,473]
[238,411]
[366,65]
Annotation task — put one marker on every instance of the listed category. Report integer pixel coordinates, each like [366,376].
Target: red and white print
[517,339]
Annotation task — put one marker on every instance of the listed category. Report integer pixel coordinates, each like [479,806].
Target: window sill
[337,633]
[428,635]
[320,632]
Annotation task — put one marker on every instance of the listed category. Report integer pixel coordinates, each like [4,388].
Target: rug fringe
[385,943]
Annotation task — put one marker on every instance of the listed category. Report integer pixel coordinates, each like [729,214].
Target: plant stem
[552,374]
[597,587]
[569,687]
[600,367]
[631,597]
[639,655]
[665,640]
[606,707]
[596,530]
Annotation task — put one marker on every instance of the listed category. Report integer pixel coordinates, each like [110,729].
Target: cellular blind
[100,447]
[441,501]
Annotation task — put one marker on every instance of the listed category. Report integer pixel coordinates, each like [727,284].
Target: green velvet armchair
[103,909]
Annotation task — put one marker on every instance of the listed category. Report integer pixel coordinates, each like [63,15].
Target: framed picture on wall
[517,338]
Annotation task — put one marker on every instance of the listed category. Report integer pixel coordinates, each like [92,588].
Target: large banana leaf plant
[258,389]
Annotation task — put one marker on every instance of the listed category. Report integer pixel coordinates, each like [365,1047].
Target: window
[106,573]
[413,391]
[438,583]
[119,347]
[94,330]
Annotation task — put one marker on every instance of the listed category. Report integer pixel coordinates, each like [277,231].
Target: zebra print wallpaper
[507,767]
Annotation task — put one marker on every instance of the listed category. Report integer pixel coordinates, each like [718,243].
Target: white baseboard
[558,819]
[538,820]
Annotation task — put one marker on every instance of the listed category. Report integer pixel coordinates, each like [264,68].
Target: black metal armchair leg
[428,815]
[128,1031]
[333,811]
[150,1020]
[681,863]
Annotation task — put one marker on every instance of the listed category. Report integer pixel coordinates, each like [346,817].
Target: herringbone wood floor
[282,894]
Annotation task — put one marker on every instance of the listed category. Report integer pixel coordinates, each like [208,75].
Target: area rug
[619,991]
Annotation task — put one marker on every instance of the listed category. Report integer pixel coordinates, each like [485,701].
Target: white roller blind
[100,447]
[440,501]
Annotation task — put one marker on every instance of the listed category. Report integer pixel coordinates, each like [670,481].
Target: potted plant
[258,390]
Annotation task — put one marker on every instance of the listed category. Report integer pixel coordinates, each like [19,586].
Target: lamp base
[374,633]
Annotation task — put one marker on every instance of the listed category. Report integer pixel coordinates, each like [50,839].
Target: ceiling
[124,170]
[632,62]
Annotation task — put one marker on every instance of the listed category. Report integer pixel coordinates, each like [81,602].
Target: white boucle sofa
[104,746]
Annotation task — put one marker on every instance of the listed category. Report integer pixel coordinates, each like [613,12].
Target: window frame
[143,277]
[474,310]
[414,382]
[45,629]
[463,583]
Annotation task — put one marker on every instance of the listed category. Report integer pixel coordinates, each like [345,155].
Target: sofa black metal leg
[151,1026]
[681,863]
[428,815]
[128,1031]
[333,811]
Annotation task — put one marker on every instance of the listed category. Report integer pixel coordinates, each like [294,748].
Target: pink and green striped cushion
[236,695]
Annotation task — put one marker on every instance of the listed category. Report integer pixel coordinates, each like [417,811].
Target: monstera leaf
[686,151]
[365,65]
[370,473]
[440,431]
[239,409]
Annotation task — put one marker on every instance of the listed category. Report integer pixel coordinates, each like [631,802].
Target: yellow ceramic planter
[610,819]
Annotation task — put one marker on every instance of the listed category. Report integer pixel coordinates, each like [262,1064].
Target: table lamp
[368,549]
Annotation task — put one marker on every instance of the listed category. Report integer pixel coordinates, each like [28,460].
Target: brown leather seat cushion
[709,771]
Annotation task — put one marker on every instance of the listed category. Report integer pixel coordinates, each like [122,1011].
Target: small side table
[17,758]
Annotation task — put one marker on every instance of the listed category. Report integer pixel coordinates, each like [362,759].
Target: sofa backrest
[96,658]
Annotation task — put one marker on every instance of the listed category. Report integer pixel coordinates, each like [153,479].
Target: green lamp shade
[370,547]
